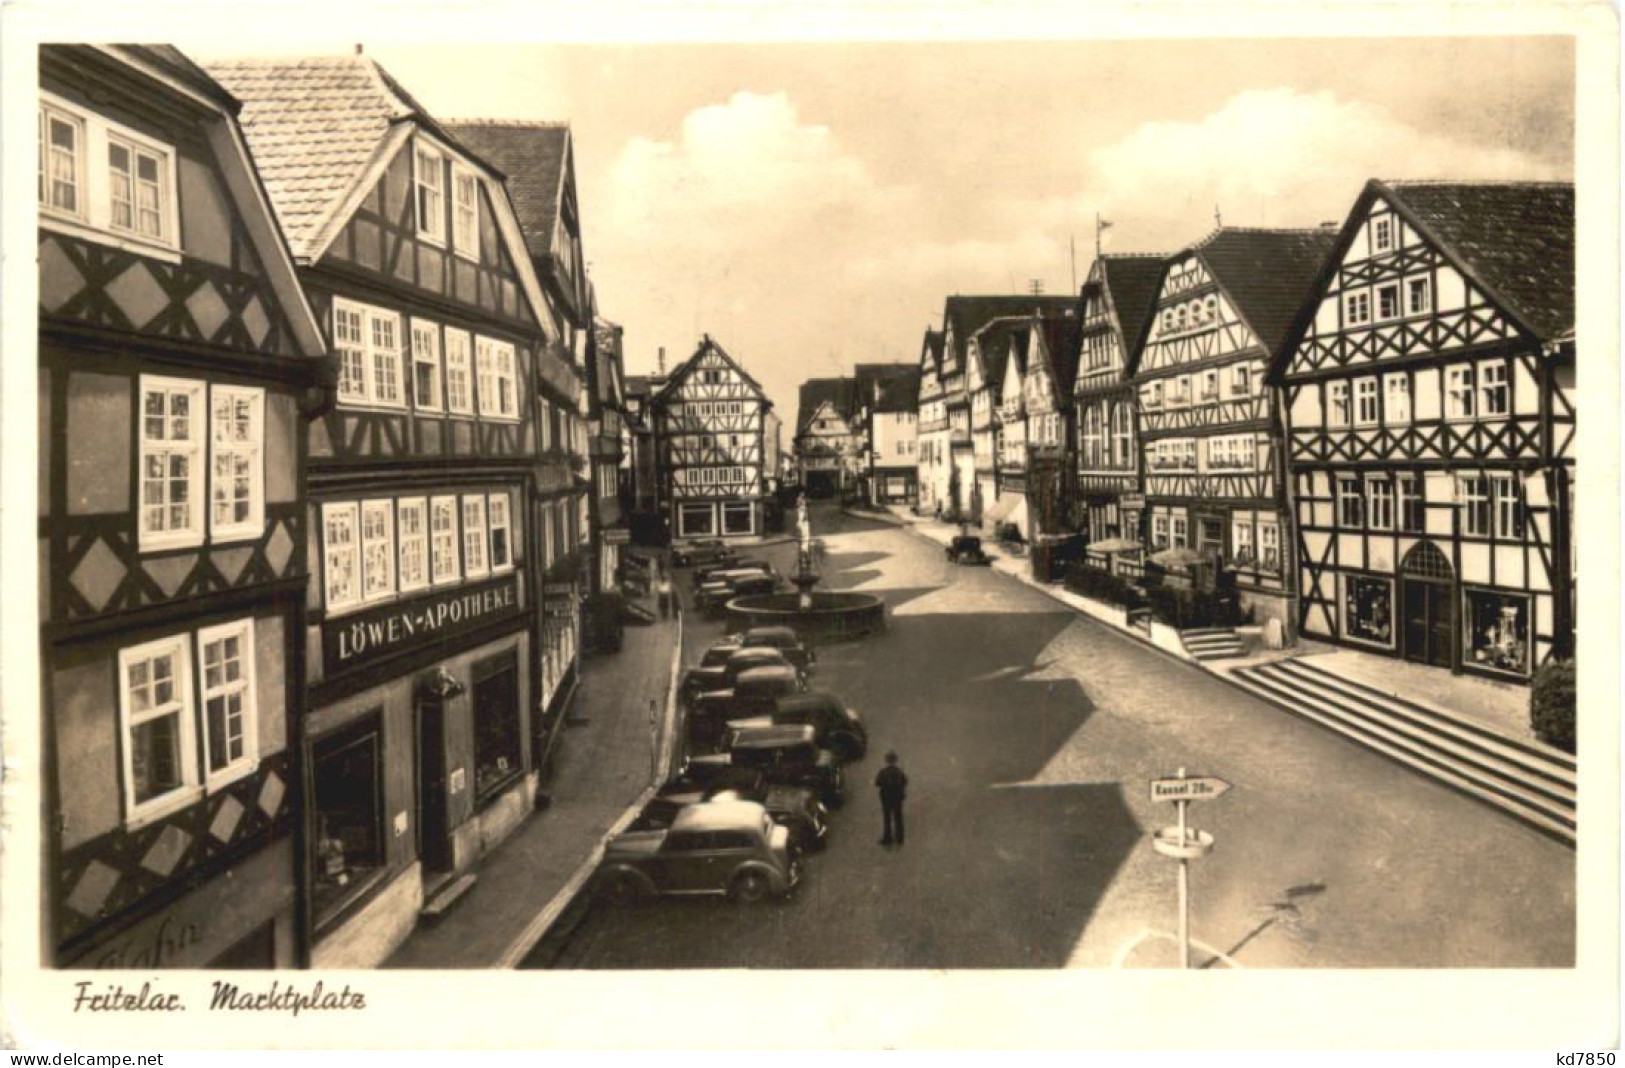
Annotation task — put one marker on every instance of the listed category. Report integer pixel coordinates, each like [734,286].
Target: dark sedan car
[753,693]
[837,728]
[720,847]
[967,549]
[783,755]
[784,639]
[720,669]
[794,807]
[709,551]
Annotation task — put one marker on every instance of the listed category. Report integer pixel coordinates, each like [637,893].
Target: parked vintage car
[708,551]
[703,573]
[712,596]
[752,694]
[719,669]
[718,847]
[787,755]
[793,807]
[967,549]
[784,639]
[837,728]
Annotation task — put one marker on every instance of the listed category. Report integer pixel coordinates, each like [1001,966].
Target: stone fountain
[817,616]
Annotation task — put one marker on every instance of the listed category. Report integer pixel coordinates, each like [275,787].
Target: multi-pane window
[1159,531]
[1269,546]
[1241,539]
[341,555]
[229,716]
[1240,380]
[1408,488]
[501,533]
[1379,499]
[465,219]
[1350,502]
[1382,234]
[1365,401]
[1337,403]
[426,365]
[429,178]
[106,175]
[1494,394]
[1508,501]
[1357,308]
[155,687]
[368,340]
[485,370]
[1180,536]
[1474,493]
[459,386]
[171,462]
[1397,410]
[237,437]
[412,535]
[1458,392]
[1154,397]
[1420,295]
[1091,436]
[474,562]
[61,154]
[377,550]
[443,539]
[136,177]
[1388,301]
[1122,435]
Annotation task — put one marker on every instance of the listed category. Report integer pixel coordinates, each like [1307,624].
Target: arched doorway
[1428,594]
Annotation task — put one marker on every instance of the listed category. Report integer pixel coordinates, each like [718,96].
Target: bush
[1552,702]
[1092,582]
[1184,608]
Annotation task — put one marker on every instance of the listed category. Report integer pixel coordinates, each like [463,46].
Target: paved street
[1029,734]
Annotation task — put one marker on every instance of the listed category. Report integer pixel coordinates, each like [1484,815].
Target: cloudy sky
[810,205]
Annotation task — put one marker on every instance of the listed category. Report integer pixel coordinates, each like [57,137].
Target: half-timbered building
[422,727]
[826,443]
[176,353]
[537,159]
[1052,365]
[889,397]
[1118,296]
[1429,398]
[931,428]
[708,428]
[1210,430]
[998,422]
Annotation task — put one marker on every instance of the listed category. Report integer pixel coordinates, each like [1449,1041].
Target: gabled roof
[1061,335]
[535,156]
[682,370]
[1516,239]
[1132,284]
[967,315]
[997,341]
[838,393]
[931,348]
[1265,274]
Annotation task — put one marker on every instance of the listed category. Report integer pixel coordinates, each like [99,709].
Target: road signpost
[1184,843]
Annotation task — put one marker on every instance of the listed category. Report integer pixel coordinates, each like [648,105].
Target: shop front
[416,748]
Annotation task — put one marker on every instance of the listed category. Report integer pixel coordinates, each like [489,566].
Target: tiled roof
[815,392]
[313,125]
[1132,283]
[179,65]
[534,156]
[898,393]
[707,344]
[994,340]
[967,315]
[1517,238]
[1266,273]
[1061,335]
[931,348]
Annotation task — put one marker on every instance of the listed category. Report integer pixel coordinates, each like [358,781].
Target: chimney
[660,361]
[358,49]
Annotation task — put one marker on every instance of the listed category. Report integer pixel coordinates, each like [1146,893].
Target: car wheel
[620,891]
[748,887]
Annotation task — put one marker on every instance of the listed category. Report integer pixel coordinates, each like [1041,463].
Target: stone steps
[1212,643]
[1533,782]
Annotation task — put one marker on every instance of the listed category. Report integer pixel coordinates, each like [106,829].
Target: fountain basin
[833,617]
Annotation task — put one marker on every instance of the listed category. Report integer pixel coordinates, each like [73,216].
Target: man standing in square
[893,786]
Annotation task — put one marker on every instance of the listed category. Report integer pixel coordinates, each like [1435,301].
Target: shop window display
[349,841]
[1498,631]
[496,726]
[1369,609]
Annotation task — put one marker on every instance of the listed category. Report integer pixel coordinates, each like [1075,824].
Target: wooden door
[1430,624]
[434,831]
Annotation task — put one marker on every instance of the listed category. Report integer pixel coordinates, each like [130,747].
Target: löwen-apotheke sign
[352,641]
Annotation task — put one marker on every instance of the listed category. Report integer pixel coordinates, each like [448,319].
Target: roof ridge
[513,124]
[1526,183]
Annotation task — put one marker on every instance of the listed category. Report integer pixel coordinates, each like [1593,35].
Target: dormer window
[429,178]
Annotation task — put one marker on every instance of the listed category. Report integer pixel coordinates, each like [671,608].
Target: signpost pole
[1184,891]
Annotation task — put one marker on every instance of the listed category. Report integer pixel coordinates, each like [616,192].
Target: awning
[1179,556]
[1002,507]
[1115,545]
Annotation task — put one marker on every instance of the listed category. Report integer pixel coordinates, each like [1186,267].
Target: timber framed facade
[710,419]
[1428,389]
[1209,428]
[176,353]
